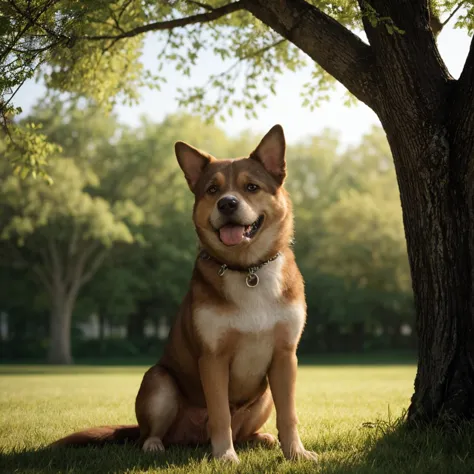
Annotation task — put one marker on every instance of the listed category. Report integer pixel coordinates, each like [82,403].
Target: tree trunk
[63,278]
[429,121]
[60,330]
[438,227]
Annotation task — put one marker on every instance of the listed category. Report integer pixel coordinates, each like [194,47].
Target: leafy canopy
[93,48]
[56,211]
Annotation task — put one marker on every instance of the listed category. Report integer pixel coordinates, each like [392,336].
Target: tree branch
[408,63]
[212,15]
[340,52]
[32,20]
[94,266]
[435,22]
[76,267]
[451,15]
[85,267]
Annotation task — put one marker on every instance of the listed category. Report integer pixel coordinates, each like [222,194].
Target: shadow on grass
[98,460]
[392,448]
[387,449]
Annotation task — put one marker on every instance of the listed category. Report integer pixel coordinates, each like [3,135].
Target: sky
[284,108]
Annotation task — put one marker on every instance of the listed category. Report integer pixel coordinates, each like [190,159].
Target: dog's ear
[271,153]
[192,161]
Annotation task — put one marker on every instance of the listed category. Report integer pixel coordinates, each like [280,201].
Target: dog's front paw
[304,455]
[227,456]
[153,445]
[297,452]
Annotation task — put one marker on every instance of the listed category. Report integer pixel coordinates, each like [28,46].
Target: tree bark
[417,107]
[437,227]
[60,330]
[432,173]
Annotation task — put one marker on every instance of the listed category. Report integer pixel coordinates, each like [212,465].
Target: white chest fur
[259,309]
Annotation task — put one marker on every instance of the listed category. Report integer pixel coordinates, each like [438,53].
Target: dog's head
[241,212]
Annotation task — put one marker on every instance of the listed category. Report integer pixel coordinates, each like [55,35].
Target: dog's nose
[228,204]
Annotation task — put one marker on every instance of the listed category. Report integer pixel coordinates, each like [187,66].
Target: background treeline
[112,241]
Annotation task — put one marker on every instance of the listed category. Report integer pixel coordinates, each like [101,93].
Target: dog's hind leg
[156,407]
[247,421]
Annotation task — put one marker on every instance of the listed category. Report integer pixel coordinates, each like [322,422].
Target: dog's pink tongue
[232,234]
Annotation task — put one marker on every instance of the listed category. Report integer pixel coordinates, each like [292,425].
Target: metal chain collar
[252,279]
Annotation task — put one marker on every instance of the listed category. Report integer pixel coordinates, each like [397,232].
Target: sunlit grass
[38,404]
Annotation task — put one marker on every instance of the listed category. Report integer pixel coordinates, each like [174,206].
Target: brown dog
[231,352]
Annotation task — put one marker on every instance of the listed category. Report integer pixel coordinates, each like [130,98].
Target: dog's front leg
[282,377]
[214,373]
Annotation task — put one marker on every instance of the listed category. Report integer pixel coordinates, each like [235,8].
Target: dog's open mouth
[233,234]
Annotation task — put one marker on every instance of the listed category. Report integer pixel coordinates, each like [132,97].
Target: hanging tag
[252,280]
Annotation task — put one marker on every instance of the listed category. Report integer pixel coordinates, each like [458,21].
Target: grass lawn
[38,404]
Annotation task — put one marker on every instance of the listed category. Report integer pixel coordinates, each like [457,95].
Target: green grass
[335,403]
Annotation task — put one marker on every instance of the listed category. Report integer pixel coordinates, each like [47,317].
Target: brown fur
[231,353]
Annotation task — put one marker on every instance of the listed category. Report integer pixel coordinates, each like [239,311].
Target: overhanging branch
[337,50]
[201,18]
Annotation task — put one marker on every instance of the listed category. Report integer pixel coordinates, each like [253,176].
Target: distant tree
[66,233]
[365,245]
[364,238]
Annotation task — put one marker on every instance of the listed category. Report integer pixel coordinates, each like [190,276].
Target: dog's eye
[212,189]
[252,187]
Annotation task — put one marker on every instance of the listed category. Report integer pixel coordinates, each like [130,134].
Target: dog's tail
[100,436]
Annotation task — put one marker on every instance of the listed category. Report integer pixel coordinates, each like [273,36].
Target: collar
[251,279]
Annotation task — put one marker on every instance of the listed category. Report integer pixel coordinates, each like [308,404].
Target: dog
[231,352]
